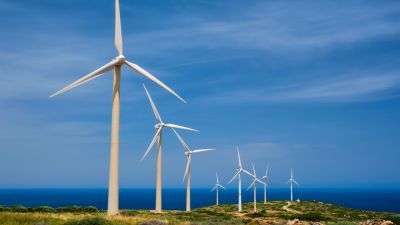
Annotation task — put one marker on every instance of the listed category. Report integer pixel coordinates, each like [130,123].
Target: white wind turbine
[265,181]
[158,137]
[239,171]
[115,65]
[188,153]
[254,185]
[291,181]
[216,189]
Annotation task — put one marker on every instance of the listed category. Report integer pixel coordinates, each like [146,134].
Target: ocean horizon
[382,200]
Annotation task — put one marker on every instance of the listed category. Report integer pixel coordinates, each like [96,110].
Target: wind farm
[310,86]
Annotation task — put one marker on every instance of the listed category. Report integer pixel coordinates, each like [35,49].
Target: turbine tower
[158,137]
[239,171]
[291,181]
[265,180]
[216,189]
[115,65]
[254,185]
[188,153]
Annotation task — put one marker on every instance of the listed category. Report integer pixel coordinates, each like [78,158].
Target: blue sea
[370,199]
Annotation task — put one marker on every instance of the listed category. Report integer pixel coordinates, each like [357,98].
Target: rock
[317,223]
[387,223]
[377,222]
[294,222]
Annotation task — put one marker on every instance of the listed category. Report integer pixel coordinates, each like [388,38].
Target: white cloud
[347,89]
[276,27]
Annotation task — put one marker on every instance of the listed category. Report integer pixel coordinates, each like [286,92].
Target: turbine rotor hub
[120,59]
[158,125]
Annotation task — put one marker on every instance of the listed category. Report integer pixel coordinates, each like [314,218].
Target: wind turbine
[115,65]
[239,171]
[291,181]
[265,180]
[158,137]
[188,153]
[216,189]
[254,184]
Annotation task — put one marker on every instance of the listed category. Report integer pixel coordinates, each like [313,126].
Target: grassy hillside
[276,212]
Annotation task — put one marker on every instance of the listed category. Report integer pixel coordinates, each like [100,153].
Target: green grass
[272,213]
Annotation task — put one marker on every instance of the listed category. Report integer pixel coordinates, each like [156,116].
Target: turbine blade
[100,71]
[234,177]
[216,174]
[250,185]
[170,125]
[296,182]
[152,143]
[187,166]
[203,150]
[259,181]
[213,189]
[153,106]
[118,30]
[181,140]
[153,78]
[248,173]
[240,161]
[222,187]
[254,170]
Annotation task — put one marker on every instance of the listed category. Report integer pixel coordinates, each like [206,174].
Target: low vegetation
[272,213]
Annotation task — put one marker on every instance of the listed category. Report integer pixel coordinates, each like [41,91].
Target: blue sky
[312,85]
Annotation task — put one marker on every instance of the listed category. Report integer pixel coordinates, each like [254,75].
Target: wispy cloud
[276,27]
[351,89]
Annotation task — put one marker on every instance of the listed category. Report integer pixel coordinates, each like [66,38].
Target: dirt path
[287,209]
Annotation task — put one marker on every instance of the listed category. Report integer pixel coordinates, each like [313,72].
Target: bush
[262,213]
[315,217]
[90,221]
[394,219]
[129,213]
[4,208]
[19,208]
[153,222]
[46,209]
[73,209]
[221,222]
[90,209]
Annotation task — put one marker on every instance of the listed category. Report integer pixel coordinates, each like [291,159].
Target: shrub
[153,222]
[4,208]
[221,222]
[46,209]
[394,219]
[72,209]
[315,217]
[90,209]
[19,208]
[129,213]
[90,221]
[258,214]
